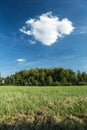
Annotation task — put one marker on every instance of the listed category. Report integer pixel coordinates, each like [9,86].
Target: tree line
[46,77]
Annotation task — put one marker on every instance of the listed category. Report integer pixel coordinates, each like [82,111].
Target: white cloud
[20,60]
[48,28]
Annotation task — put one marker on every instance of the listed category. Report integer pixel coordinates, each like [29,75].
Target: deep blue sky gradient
[68,52]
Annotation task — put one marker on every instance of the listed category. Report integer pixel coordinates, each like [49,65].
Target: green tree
[49,81]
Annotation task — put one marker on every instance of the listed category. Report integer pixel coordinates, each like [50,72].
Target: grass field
[43,108]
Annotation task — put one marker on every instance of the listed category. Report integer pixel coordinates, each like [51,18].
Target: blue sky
[61,41]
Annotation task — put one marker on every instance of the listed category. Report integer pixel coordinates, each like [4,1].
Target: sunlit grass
[59,102]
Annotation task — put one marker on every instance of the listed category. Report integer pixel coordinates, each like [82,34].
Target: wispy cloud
[80,30]
[20,60]
[32,42]
[47,28]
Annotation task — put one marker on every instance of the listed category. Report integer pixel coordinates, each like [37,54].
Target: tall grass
[42,104]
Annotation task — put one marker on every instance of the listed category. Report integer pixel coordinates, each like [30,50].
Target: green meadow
[43,108]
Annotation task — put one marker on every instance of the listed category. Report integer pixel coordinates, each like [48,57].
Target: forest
[46,77]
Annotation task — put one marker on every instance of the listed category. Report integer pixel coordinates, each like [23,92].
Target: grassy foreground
[43,108]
